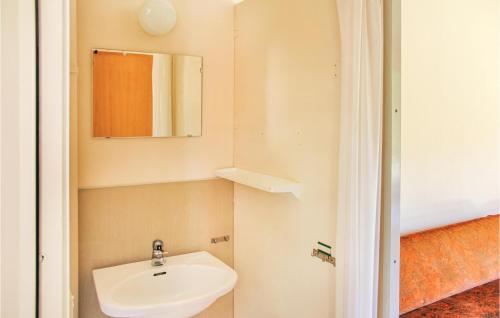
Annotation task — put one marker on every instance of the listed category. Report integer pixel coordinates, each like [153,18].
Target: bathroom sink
[183,287]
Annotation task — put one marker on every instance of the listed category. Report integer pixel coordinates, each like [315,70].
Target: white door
[18,256]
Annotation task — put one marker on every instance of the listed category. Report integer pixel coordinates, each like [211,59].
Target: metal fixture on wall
[220,239]
[157,17]
[324,257]
[324,253]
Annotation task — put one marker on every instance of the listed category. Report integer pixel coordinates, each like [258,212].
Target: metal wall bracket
[323,256]
[220,239]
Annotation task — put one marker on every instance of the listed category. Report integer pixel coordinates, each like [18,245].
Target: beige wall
[286,124]
[118,226]
[450,111]
[204,28]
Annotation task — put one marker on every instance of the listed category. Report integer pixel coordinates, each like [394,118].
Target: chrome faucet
[158,259]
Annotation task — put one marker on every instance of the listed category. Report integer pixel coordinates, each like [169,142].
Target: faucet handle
[157,259]
[158,245]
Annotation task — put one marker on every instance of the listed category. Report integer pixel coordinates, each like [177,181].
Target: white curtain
[162,95]
[187,101]
[358,225]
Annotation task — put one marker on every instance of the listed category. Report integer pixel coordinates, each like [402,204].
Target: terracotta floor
[479,302]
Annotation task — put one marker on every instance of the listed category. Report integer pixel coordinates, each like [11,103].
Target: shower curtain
[359,204]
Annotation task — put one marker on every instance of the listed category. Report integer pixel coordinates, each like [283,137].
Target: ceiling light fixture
[157,17]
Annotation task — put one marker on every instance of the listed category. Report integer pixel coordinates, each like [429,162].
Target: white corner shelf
[260,181]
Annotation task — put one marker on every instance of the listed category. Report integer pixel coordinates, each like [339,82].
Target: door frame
[55,299]
[54,281]
[391,175]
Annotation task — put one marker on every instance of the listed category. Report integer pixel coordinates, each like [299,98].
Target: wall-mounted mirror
[146,94]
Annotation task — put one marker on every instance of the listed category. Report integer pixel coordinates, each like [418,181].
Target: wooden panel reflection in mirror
[122,89]
[146,94]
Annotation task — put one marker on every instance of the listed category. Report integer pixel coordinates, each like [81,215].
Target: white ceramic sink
[183,287]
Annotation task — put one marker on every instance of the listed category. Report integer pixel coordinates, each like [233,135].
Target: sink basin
[183,287]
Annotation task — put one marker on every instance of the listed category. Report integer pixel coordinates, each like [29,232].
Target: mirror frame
[92,52]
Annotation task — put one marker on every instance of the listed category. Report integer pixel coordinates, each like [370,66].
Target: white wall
[204,28]
[286,124]
[450,111]
[17,159]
